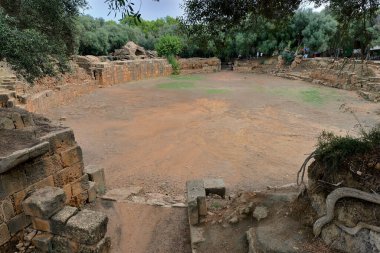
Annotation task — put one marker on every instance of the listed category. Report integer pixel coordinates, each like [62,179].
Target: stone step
[374,79]
[371,96]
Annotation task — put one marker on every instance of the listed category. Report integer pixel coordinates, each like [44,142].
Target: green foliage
[173,61]
[168,45]
[30,52]
[288,57]
[332,150]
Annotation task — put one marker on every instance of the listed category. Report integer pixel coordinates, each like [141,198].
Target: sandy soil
[250,130]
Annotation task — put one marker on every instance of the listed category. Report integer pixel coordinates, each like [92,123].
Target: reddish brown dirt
[250,130]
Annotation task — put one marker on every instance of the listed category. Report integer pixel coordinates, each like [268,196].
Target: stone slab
[59,220]
[196,200]
[44,202]
[4,234]
[103,246]
[87,227]
[18,223]
[96,174]
[215,186]
[122,194]
[43,242]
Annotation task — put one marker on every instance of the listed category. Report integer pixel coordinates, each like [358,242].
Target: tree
[168,45]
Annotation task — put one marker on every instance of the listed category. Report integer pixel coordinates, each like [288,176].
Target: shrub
[332,149]
[168,45]
[173,61]
[288,57]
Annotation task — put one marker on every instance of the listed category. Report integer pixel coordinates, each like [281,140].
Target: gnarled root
[358,227]
[333,197]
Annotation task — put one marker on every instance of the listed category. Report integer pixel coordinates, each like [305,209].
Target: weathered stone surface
[41,224]
[92,192]
[59,220]
[215,186]
[96,174]
[6,123]
[87,227]
[63,245]
[260,212]
[17,120]
[81,185]
[196,236]
[6,210]
[196,200]
[68,175]
[4,234]
[71,156]
[43,242]
[23,155]
[44,202]
[12,182]
[18,223]
[60,139]
[122,194]
[103,246]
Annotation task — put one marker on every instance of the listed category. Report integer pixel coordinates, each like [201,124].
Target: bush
[332,150]
[288,57]
[168,45]
[28,51]
[173,61]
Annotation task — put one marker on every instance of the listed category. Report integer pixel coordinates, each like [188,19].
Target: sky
[150,10]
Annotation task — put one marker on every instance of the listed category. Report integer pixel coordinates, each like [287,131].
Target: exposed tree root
[358,227]
[334,196]
[301,172]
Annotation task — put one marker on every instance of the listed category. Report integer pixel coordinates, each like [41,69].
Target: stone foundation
[199,65]
[37,155]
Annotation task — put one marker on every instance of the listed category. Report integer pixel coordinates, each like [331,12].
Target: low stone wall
[199,65]
[118,72]
[37,154]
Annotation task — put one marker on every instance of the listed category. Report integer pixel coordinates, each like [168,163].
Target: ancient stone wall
[118,72]
[35,154]
[199,65]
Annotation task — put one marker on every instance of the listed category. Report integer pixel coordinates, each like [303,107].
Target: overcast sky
[150,9]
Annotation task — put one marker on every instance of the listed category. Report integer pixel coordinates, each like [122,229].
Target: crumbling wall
[36,154]
[199,65]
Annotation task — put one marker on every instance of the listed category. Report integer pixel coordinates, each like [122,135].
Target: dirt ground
[251,130]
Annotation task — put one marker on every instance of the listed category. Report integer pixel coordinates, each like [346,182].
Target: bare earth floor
[251,130]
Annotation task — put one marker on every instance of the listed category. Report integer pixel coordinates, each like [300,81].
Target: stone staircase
[370,87]
[8,91]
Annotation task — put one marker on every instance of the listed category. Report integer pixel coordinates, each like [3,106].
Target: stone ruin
[132,51]
[44,187]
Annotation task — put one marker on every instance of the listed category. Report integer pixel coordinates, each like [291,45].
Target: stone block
[81,185]
[59,220]
[103,246]
[18,223]
[6,210]
[35,171]
[79,200]
[87,227]
[96,174]
[64,245]
[60,139]
[17,199]
[196,196]
[68,192]
[43,242]
[46,182]
[92,192]
[68,175]
[44,202]
[6,123]
[27,119]
[4,234]
[71,156]
[41,224]
[17,120]
[215,186]
[11,182]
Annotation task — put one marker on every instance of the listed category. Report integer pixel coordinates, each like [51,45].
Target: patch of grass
[176,85]
[215,91]
[312,96]
[187,77]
